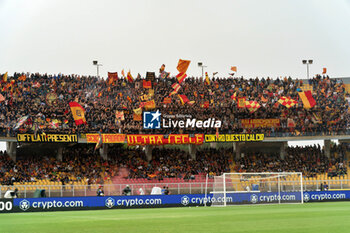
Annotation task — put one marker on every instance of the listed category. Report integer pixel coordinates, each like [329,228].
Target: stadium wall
[155,201]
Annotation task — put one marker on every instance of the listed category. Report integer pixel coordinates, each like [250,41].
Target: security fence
[29,191]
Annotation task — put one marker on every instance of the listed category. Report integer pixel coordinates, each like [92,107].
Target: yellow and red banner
[106,138]
[159,139]
[148,105]
[176,88]
[182,67]
[181,77]
[167,100]
[129,77]
[78,113]
[260,123]
[183,99]
[308,100]
[252,106]
[287,102]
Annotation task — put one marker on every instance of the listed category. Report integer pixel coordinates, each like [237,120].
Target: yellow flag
[138,111]
[4,78]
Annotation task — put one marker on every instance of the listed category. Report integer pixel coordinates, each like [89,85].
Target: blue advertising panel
[149,201]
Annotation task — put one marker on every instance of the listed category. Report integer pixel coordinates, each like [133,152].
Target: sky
[262,38]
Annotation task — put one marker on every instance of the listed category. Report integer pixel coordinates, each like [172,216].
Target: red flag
[205,104]
[147,84]
[183,99]
[234,68]
[112,77]
[129,77]
[182,65]
[167,100]
[150,104]
[324,71]
[233,97]
[162,68]
[129,99]
[78,113]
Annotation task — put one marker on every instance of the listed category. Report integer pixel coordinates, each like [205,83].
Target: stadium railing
[28,191]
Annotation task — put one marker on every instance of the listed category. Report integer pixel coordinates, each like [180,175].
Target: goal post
[257,188]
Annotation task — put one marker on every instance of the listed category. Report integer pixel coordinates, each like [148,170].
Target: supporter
[166,191]
[82,163]
[310,160]
[100,192]
[325,186]
[127,191]
[45,97]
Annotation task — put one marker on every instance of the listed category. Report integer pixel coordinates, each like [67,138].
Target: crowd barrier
[28,191]
[91,137]
[152,201]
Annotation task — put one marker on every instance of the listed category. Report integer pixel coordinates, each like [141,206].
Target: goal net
[257,188]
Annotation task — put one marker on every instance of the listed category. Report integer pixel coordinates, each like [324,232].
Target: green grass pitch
[311,217]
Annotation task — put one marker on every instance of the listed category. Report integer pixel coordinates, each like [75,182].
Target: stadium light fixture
[200,64]
[307,63]
[95,63]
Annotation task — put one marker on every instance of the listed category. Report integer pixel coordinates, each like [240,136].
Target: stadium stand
[82,166]
[45,99]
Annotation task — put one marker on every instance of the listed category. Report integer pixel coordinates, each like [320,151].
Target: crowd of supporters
[84,164]
[173,163]
[45,98]
[310,160]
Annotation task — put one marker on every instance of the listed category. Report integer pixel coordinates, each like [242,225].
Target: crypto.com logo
[110,202]
[253,198]
[185,200]
[24,205]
